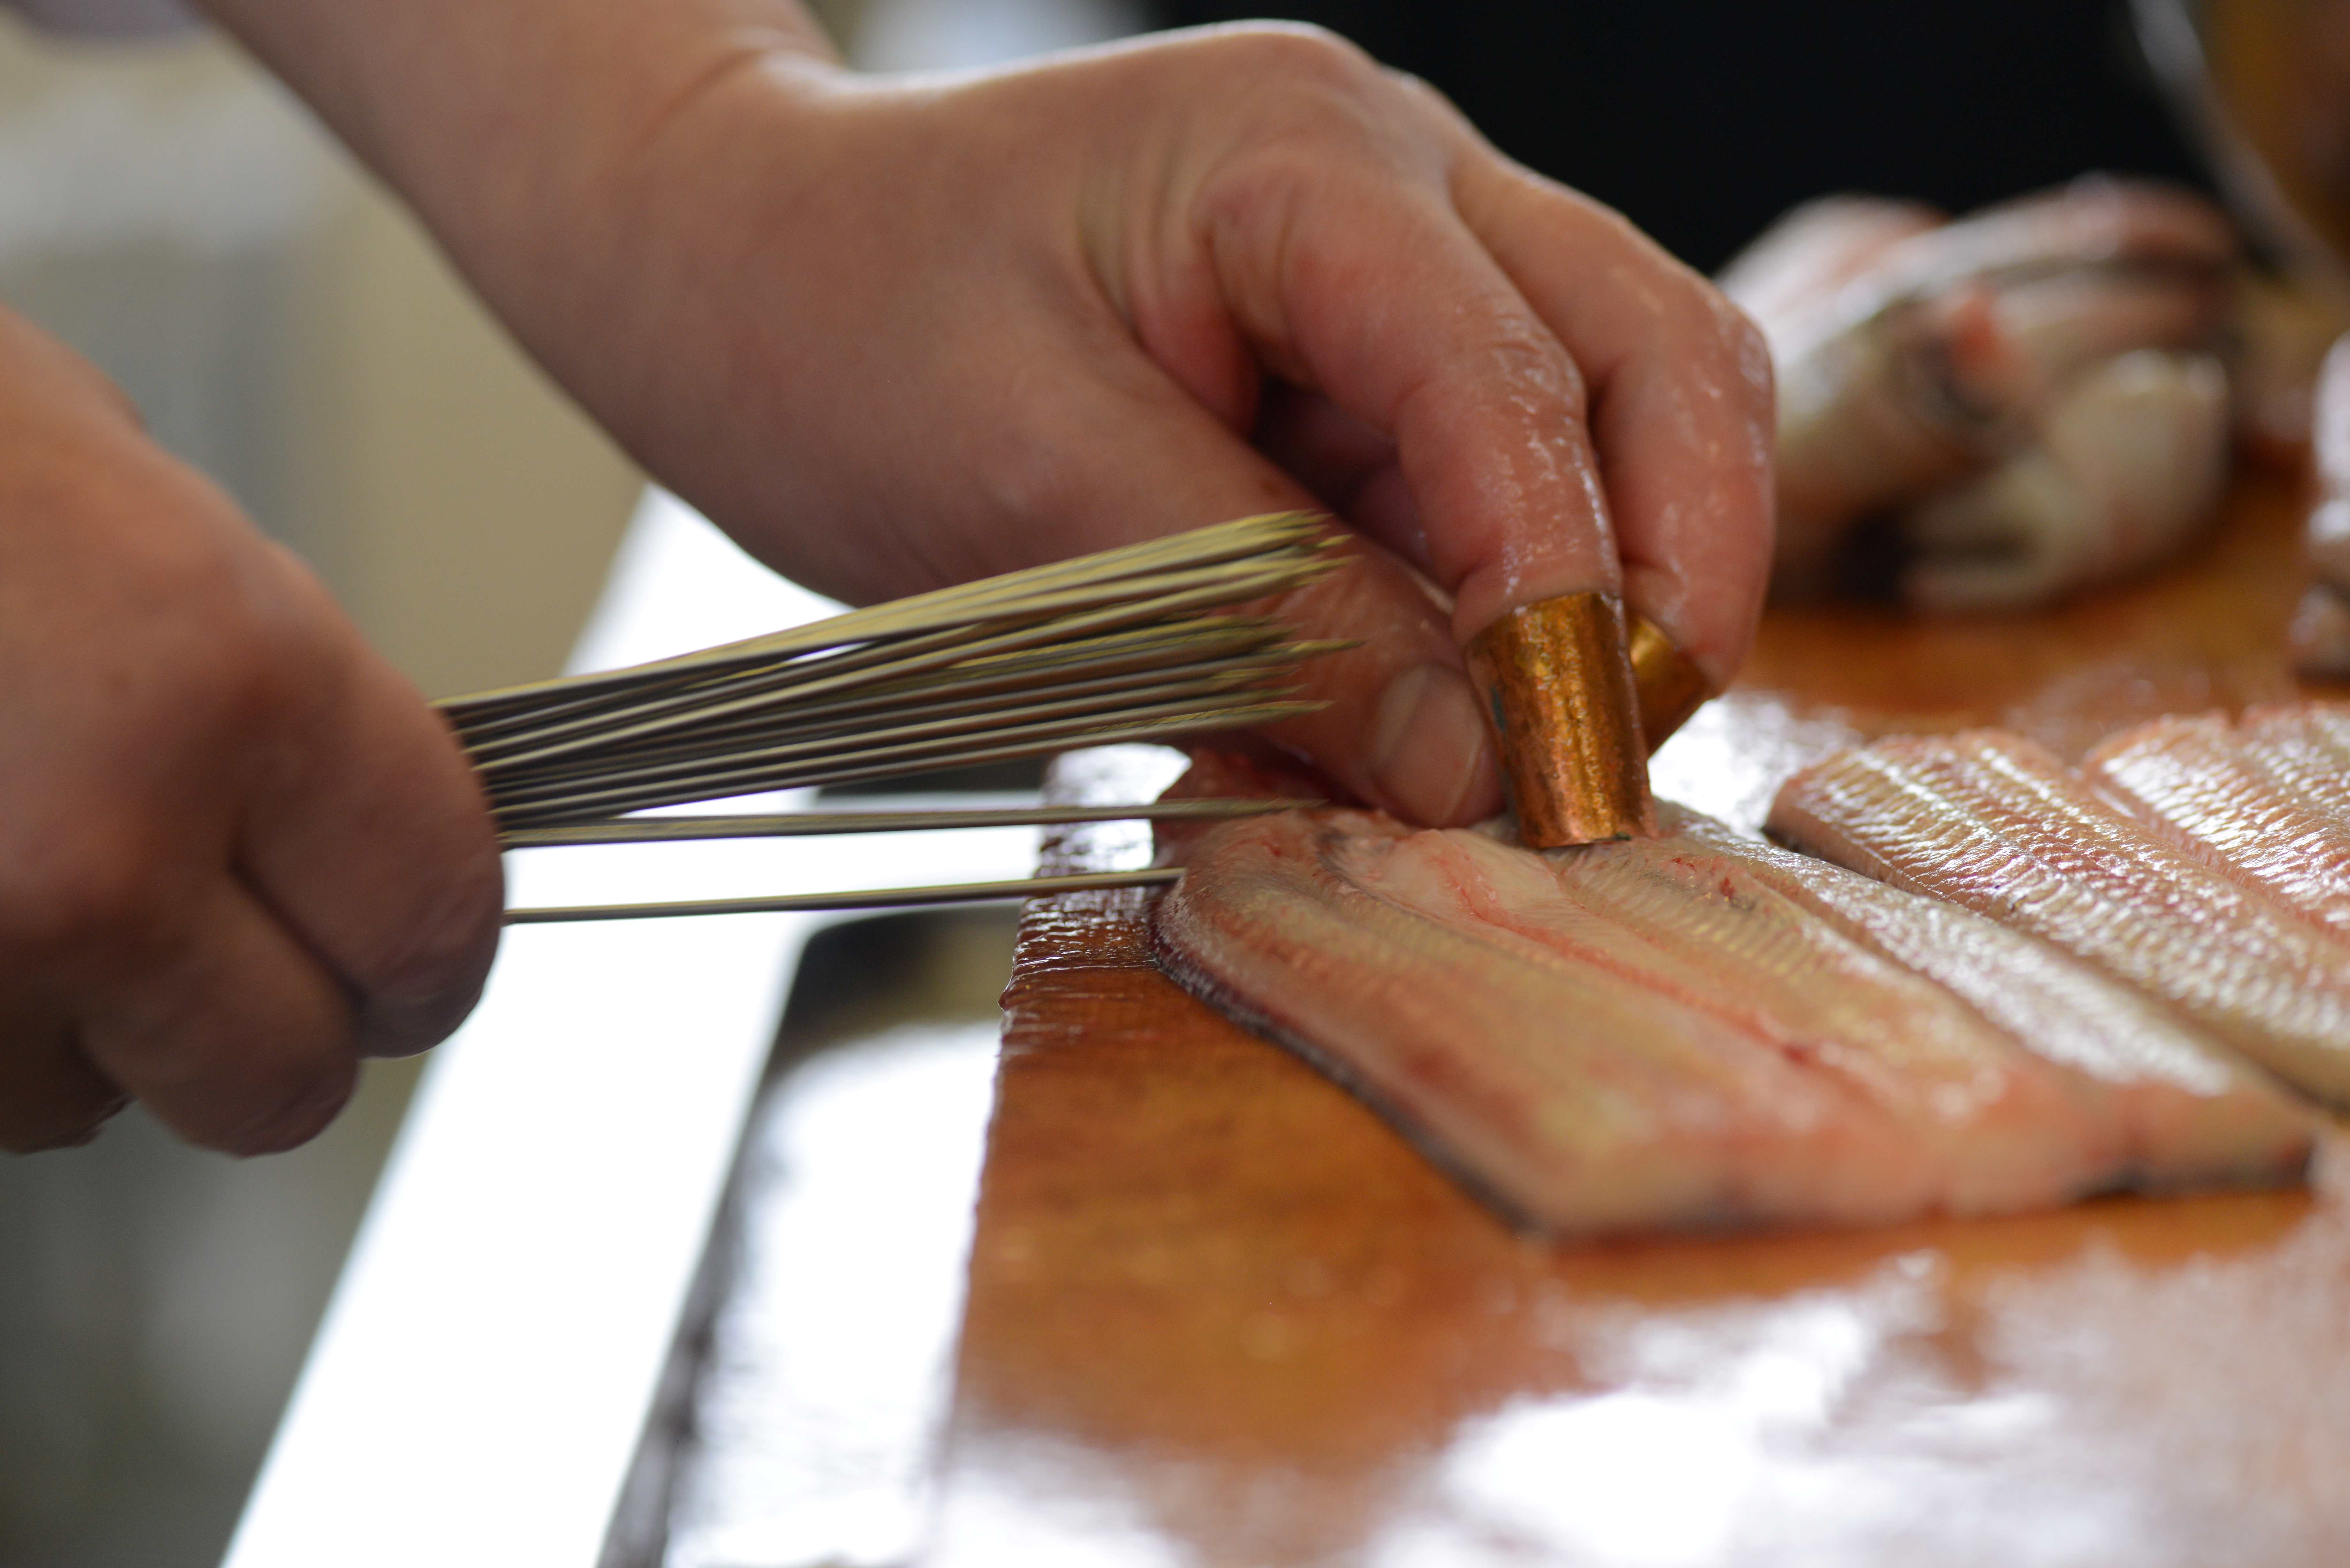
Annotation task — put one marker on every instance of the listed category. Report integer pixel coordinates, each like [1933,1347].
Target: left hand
[895,333]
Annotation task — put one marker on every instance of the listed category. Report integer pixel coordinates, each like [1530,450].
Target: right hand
[237,852]
[897,333]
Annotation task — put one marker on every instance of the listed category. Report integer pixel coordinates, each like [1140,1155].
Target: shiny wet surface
[1218,1313]
[811,1389]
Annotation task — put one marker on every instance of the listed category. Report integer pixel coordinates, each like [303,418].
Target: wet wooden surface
[1218,1313]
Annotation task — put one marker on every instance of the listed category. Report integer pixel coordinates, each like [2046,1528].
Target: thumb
[1403,729]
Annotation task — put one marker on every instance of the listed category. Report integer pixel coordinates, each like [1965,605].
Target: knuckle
[1316,100]
[98,892]
[1298,54]
[1521,356]
[217,631]
[242,660]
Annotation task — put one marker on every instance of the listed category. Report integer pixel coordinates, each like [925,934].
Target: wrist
[511,128]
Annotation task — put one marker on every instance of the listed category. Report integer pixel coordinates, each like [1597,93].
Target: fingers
[1351,468]
[1680,402]
[234,1035]
[127,970]
[1403,730]
[233,848]
[50,1096]
[1509,390]
[1370,290]
[370,836]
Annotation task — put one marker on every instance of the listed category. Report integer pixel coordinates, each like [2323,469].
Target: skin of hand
[236,851]
[896,332]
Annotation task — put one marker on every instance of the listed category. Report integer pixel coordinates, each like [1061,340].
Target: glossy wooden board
[1218,1313]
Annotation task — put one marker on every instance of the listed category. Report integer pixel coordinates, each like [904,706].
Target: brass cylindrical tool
[1671,684]
[1557,682]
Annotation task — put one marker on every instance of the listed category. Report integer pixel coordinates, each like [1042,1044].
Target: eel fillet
[1995,823]
[2268,802]
[1698,1031]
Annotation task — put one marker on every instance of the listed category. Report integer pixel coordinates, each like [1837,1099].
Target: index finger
[1680,401]
[1370,290]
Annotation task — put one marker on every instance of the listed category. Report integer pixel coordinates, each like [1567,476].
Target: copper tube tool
[1557,682]
[1671,684]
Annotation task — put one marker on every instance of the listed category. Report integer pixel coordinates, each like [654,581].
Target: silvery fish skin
[1662,1034]
[1995,823]
[2266,802]
[2191,1112]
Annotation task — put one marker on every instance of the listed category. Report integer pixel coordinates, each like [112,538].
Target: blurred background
[169,211]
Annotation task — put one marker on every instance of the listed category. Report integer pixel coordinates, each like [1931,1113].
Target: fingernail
[1432,756]
[300,1118]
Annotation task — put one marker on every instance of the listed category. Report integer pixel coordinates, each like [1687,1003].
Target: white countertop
[478,1386]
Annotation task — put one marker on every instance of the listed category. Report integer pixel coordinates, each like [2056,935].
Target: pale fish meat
[1994,823]
[2030,387]
[2268,802]
[2320,633]
[2191,1112]
[1697,1030]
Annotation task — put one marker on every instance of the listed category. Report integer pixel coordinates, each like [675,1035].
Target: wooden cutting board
[1220,1313]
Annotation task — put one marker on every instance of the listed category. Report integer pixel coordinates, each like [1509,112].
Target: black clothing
[1702,121]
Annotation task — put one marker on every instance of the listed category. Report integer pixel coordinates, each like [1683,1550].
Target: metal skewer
[879,898]
[814,824]
[1110,648]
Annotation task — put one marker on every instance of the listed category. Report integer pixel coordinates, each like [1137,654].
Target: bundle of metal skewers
[1110,648]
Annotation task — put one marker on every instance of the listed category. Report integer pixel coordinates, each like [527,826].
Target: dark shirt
[1703,120]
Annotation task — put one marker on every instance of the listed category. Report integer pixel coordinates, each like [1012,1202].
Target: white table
[478,1386]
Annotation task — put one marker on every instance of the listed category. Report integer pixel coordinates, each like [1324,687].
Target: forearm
[507,126]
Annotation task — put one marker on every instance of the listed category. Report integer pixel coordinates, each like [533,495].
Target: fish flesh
[1968,377]
[2129,464]
[1701,1031]
[2268,802]
[2320,633]
[1994,823]
[2191,1113]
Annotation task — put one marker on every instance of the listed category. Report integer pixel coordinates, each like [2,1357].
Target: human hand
[236,851]
[895,333]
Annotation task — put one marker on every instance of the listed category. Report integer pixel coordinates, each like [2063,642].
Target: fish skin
[2306,747]
[1993,822]
[2249,810]
[1726,1051]
[1634,1113]
[2191,1112]
[1989,1128]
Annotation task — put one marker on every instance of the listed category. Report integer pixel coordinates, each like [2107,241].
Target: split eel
[1993,822]
[2268,801]
[1698,1031]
